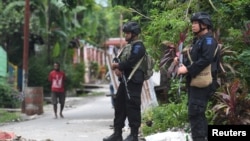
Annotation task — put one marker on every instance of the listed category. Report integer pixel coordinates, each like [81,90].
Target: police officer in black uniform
[202,53]
[128,106]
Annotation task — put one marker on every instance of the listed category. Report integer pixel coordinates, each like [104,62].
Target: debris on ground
[7,135]
[169,136]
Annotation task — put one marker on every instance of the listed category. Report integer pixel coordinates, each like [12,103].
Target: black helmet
[203,18]
[132,27]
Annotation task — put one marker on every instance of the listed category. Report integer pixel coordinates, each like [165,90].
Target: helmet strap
[132,37]
[201,29]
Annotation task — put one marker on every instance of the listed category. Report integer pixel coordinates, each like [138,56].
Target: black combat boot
[133,136]
[116,136]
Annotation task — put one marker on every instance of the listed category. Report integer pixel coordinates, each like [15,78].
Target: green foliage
[210,114]
[244,66]
[172,114]
[11,17]
[166,116]
[70,3]
[74,75]
[244,57]
[8,116]
[167,19]
[9,97]
[56,50]
[174,87]
[38,73]
[169,26]
[56,21]
[169,116]
[94,69]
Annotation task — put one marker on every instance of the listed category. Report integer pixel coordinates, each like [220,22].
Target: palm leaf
[9,8]
[56,50]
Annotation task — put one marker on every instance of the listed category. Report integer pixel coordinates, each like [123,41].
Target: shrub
[232,105]
[9,97]
[166,116]
[170,116]
[74,75]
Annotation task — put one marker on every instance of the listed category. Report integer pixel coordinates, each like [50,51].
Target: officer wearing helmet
[128,106]
[203,52]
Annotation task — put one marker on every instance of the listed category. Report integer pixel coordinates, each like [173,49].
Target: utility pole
[25,49]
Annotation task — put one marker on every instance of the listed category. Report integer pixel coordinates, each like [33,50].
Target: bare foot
[61,115]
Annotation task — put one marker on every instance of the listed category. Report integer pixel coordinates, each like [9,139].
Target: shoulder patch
[209,41]
[136,49]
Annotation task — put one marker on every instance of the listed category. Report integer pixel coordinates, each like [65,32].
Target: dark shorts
[58,96]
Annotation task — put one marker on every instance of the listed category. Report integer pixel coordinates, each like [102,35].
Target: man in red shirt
[57,79]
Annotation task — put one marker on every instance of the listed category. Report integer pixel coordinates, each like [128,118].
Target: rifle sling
[138,63]
[135,68]
[190,59]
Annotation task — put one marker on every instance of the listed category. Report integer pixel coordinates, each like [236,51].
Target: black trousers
[197,104]
[128,108]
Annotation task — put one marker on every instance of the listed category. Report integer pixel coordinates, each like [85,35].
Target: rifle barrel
[180,63]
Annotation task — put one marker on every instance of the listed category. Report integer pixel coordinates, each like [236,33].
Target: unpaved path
[86,119]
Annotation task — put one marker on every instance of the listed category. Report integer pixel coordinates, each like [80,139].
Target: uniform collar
[205,35]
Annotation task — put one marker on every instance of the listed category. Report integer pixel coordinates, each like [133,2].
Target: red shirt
[57,79]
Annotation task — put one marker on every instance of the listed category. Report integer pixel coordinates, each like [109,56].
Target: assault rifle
[124,80]
[182,38]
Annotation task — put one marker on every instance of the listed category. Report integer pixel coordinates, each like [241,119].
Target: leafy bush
[166,116]
[9,97]
[74,75]
[94,70]
[170,116]
[232,105]
[38,73]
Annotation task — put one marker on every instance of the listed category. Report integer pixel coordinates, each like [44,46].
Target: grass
[8,116]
